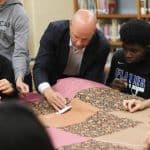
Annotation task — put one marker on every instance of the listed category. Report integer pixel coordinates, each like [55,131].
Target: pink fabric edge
[61,138]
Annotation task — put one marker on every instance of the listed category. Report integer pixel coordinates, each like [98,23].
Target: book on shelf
[148,6]
[91,4]
[87,4]
[115,27]
[143,7]
[82,4]
[107,6]
[112,6]
[110,29]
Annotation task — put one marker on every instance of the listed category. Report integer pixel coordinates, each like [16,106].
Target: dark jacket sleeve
[95,58]
[45,60]
[104,49]
[111,75]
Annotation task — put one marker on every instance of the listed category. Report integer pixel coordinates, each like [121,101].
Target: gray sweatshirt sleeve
[20,58]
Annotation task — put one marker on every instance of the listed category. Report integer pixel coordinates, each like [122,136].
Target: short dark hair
[135,31]
[20,129]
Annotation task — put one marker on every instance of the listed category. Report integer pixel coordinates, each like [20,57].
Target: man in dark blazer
[70,48]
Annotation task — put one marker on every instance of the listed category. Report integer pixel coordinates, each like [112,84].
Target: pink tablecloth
[61,138]
[68,87]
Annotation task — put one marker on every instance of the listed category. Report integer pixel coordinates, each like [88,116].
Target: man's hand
[133,105]
[6,87]
[22,87]
[119,84]
[54,98]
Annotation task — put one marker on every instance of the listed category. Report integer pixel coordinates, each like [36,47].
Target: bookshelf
[112,13]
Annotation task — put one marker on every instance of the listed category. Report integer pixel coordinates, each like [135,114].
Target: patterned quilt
[98,113]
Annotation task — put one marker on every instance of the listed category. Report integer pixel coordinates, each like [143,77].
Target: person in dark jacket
[70,48]
[130,71]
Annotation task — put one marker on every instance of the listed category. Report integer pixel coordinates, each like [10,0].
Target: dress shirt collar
[76,50]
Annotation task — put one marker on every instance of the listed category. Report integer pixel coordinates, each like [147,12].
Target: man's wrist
[43,86]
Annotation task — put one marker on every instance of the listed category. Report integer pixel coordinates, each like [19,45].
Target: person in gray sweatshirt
[14,31]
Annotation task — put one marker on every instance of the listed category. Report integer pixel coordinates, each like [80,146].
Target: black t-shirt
[6,72]
[136,74]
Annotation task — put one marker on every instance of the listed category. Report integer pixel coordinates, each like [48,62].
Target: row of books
[107,6]
[104,6]
[87,4]
[145,7]
[110,6]
[111,29]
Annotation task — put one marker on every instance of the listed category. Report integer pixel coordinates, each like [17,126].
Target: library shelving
[112,13]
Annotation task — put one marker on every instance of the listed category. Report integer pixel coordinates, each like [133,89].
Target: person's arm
[119,84]
[53,97]
[6,87]
[45,64]
[45,70]
[135,105]
[100,60]
[20,58]
[94,58]
[112,81]
[111,75]
[7,80]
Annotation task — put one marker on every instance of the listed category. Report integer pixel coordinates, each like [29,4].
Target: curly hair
[135,31]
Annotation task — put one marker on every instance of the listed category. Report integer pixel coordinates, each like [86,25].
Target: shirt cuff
[19,75]
[43,86]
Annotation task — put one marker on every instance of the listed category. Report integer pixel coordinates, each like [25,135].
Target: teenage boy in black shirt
[130,71]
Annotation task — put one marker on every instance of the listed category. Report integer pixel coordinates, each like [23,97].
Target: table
[97,120]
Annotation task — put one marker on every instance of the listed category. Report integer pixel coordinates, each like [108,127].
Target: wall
[40,13]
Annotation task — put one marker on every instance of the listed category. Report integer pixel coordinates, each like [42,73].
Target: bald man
[70,48]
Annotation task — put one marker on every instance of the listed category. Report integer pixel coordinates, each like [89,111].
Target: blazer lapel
[87,59]
[64,54]
[88,56]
